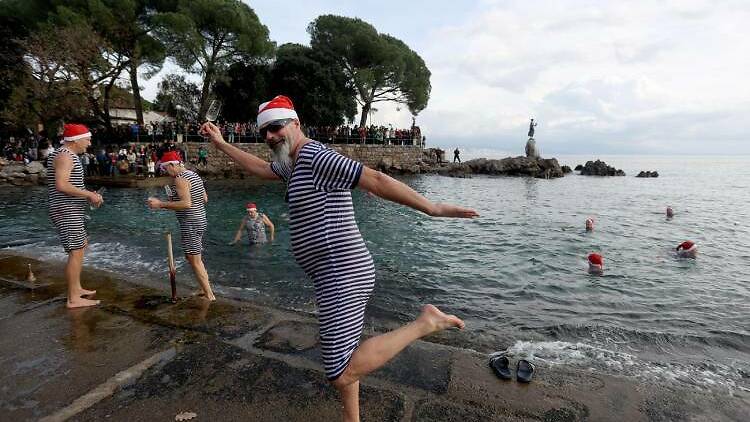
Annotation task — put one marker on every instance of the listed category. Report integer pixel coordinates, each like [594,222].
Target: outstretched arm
[254,165]
[391,189]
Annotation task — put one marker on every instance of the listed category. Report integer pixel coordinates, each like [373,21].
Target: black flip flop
[524,371]
[501,366]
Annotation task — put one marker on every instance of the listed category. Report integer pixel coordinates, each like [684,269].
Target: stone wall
[20,174]
[390,158]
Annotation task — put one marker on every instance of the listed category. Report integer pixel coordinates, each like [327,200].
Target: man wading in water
[327,244]
[255,224]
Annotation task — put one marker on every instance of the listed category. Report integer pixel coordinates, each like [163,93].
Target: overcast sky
[604,77]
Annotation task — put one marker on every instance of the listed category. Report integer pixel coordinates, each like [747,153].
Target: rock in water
[600,168]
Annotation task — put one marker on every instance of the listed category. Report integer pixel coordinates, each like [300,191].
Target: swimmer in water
[596,264]
[687,249]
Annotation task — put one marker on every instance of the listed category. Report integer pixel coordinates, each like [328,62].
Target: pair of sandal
[501,366]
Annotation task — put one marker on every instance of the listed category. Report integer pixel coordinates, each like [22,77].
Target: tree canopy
[66,59]
[380,67]
[207,36]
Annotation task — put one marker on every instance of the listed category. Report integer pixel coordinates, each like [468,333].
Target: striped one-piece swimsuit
[327,244]
[256,230]
[68,213]
[192,221]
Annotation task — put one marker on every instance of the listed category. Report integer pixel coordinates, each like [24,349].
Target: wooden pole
[172,268]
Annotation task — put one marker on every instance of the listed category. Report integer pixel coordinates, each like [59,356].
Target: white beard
[281,153]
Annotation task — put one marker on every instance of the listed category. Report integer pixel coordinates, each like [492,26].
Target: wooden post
[172,268]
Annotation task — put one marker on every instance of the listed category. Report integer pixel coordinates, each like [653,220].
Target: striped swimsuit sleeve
[332,171]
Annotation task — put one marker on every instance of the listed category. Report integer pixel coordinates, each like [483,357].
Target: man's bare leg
[73,276]
[377,351]
[77,282]
[201,275]
[350,398]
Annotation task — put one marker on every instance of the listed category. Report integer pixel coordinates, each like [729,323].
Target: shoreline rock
[648,174]
[599,168]
[19,174]
[541,168]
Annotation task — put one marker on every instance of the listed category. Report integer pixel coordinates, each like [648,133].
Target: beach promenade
[140,358]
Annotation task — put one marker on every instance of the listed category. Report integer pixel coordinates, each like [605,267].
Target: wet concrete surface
[243,361]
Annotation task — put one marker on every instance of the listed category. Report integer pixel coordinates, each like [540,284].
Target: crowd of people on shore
[139,159]
[247,132]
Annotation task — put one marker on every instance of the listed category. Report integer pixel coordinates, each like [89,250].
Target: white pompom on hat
[280,107]
[74,131]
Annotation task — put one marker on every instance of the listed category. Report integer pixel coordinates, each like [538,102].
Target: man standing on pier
[327,243]
[67,198]
[187,198]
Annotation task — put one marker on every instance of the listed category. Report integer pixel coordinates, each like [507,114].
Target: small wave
[113,256]
[707,375]
[616,335]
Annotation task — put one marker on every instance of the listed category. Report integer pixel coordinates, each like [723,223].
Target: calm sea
[517,275]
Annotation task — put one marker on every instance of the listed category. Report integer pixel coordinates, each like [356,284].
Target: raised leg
[377,351]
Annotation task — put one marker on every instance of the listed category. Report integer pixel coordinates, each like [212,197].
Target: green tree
[50,89]
[379,66]
[206,36]
[319,87]
[178,96]
[18,18]
[242,89]
[89,58]
[129,27]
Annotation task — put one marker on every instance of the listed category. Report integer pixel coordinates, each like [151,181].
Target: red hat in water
[596,262]
[685,246]
[251,206]
[596,259]
[74,131]
[280,107]
[170,157]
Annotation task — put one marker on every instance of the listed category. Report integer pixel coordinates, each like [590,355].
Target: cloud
[626,76]
[600,76]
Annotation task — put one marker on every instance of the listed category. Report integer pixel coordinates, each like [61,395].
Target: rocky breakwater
[542,168]
[20,174]
[599,168]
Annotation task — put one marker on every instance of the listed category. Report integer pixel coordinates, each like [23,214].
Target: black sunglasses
[273,127]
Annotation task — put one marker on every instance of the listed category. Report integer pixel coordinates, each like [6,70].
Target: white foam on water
[115,257]
[621,363]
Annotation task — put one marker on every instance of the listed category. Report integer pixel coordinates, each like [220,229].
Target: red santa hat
[74,131]
[251,206]
[685,246]
[280,107]
[596,260]
[170,157]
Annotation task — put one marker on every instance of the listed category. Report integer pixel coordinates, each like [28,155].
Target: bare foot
[79,302]
[211,297]
[86,292]
[435,320]
[197,293]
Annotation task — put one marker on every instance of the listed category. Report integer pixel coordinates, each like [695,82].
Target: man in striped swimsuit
[188,199]
[327,243]
[67,197]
